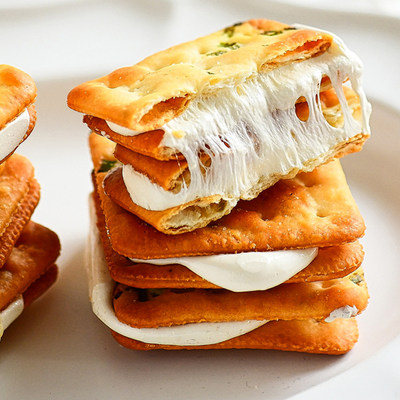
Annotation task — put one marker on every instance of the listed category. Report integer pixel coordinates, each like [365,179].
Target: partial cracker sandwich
[230,113]
[17,109]
[28,272]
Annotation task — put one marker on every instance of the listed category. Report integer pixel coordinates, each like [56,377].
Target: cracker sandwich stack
[28,250]
[221,215]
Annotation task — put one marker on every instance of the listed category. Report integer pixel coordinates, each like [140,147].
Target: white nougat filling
[11,313]
[252,133]
[12,134]
[245,272]
[100,292]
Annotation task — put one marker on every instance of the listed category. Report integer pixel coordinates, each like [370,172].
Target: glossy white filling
[100,292]
[12,134]
[342,312]
[252,133]
[11,313]
[245,272]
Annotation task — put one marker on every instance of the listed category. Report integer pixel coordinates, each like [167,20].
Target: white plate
[58,349]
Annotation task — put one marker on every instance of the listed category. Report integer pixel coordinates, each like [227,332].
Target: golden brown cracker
[313,209]
[166,174]
[147,143]
[147,95]
[19,196]
[34,252]
[316,300]
[17,92]
[307,336]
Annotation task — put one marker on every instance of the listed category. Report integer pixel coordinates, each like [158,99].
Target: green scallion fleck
[230,30]
[271,33]
[232,46]
[216,53]
[356,279]
[106,165]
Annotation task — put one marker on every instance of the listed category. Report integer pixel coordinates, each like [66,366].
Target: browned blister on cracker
[34,253]
[167,307]
[19,196]
[309,336]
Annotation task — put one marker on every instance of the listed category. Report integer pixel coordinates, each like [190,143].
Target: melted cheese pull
[12,134]
[251,132]
[244,272]
[100,292]
[11,313]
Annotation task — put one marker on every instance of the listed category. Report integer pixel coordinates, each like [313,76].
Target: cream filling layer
[12,134]
[251,132]
[342,312]
[100,293]
[245,272]
[11,313]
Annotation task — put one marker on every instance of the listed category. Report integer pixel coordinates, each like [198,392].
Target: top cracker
[147,95]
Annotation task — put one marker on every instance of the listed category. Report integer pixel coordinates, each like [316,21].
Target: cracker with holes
[221,216]
[207,123]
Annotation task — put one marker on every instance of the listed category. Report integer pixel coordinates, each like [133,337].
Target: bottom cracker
[307,336]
